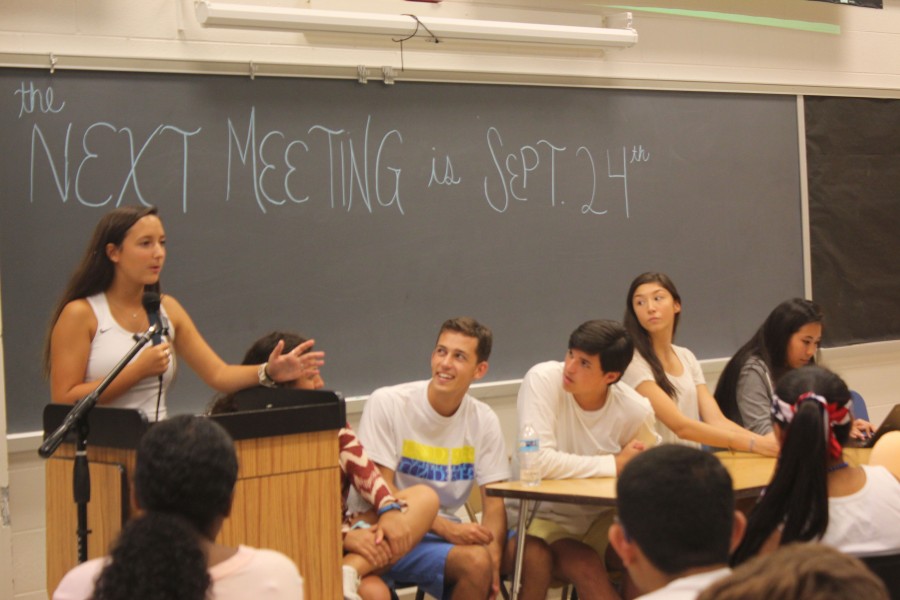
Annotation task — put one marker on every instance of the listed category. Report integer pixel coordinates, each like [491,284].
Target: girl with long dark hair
[101,310]
[815,494]
[788,339]
[670,376]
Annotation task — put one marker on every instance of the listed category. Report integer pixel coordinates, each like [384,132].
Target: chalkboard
[853,158]
[365,215]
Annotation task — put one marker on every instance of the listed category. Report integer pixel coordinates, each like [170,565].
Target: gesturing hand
[295,363]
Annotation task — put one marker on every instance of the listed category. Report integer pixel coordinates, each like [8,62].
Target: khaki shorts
[596,536]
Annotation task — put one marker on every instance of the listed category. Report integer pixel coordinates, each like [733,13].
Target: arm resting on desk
[538,404]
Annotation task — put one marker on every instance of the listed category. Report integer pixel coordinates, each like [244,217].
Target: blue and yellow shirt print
[433,463]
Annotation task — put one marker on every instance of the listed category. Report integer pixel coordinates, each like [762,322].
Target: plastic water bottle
[529,457]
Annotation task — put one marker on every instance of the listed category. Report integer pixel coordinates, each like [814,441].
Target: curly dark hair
[157,558]
[184,478]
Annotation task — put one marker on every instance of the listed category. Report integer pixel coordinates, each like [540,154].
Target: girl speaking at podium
[103,311]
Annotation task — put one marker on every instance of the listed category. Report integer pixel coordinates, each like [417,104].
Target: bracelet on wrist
[389,507]
[265,379]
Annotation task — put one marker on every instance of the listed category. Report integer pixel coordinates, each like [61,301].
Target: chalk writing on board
[448,178]
[93,142]
[350,171]
[33,99]
[514,168]
[362,166]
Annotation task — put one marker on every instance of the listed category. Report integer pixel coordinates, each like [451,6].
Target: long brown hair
[95,272]
[770,344]
[639,335]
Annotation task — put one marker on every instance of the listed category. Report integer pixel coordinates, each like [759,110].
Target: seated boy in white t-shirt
[590,425]
[434,433]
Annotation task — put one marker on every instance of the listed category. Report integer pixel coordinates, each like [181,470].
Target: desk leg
[524,509]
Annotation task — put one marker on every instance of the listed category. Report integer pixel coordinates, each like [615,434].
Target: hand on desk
[630,450]
[767,446]
[368,543]
[862,430]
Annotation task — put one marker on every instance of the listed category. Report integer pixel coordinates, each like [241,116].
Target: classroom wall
[673,53]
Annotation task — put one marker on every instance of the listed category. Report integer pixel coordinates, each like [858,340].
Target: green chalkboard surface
[364,215]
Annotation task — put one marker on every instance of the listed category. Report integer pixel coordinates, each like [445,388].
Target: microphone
[150,301]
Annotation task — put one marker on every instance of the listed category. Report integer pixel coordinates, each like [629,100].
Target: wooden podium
[287,496]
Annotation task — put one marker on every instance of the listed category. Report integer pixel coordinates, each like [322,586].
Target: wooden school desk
[750,473]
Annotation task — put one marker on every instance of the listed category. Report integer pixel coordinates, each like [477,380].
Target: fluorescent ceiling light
[217,14]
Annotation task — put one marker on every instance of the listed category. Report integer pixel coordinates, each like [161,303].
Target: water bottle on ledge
[529,456]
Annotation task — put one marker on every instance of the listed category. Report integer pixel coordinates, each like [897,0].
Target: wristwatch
[264,379]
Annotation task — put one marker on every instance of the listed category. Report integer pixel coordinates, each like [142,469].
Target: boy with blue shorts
[434,433]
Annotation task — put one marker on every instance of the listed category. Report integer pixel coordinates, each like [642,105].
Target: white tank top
[867,522]
[110,344]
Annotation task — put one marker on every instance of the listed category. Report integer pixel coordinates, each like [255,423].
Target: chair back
[859,406]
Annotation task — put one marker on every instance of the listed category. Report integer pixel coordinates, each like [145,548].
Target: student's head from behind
[791,334]
[599,352]
[799,571]
[261,349]
[187,466]
[811,414]
[811,418]
[184,479]
[653,303]
[675,513]
[460,354]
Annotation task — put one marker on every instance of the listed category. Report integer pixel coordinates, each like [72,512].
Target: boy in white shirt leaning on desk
[590,425]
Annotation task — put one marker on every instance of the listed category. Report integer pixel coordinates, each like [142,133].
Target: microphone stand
[78,419]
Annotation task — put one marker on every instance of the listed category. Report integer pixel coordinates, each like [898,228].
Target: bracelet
[265,379]
[752,441]
[387,507]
